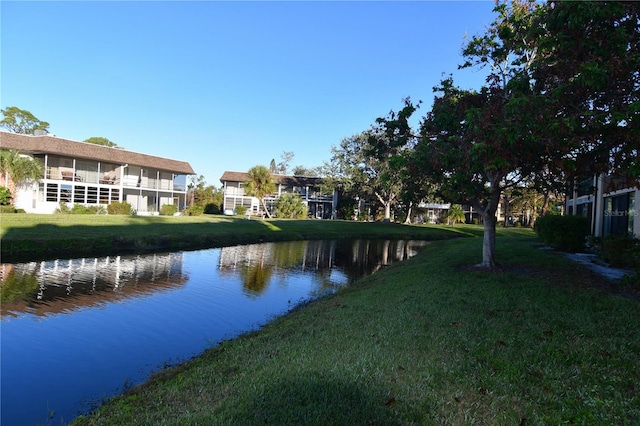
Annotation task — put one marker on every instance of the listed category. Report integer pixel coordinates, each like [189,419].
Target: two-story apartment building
[321,206]
[609,203]
[90,174]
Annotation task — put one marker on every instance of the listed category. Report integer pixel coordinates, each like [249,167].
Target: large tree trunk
[489,221]
[408,219]
[488,240]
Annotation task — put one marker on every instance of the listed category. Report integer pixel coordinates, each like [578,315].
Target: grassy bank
[32,237]
[427,341]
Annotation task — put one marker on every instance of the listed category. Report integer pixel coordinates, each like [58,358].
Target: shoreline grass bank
[428,341]
[26,237]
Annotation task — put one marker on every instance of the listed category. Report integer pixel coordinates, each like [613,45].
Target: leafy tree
[18,120]
[285,160]
[206,198]
[455,214]
[260,184]
[18,169]
[471,143]
[561,100]
[389,144]
[98,140]
[290,206]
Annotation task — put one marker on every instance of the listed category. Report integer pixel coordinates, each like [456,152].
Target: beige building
[320,206]
[90,174]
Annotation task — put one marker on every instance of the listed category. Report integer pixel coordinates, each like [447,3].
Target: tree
[18,169]
[97,140]
[455,214]
[18,120]
[290,206]
[285,160]
[206,197]
[561,101]
[389,145]
[260,184]
[474,144]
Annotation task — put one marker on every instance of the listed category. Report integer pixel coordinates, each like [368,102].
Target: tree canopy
[260,184]
[18,168]
[98,140]
[18,120]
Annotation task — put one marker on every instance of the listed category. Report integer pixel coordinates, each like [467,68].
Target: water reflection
[60,286]
[73,331]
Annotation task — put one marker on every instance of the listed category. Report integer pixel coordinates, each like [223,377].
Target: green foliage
[97,140]
[168,209]
[8,209]
[567,233]
[18,120]
[20,168]
[195,210]
[120,208]
[5,196]
[241,210]
[455,214]
[80,209]
[206,196]
[290,206]
[621,251]
[260,184]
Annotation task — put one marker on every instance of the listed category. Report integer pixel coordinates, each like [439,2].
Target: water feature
[77,331]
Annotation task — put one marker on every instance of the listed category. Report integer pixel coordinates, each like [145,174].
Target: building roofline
[48,144]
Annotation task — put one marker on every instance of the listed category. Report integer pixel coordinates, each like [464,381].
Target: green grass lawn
[30,236]
[428,341]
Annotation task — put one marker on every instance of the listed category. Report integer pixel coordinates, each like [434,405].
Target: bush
[567,233]
[241,210]
[212,208]
[118,208]
[8,209]
[5,196]
[290,206]
[194,210]
[79,209]
[621,251]
[168,209]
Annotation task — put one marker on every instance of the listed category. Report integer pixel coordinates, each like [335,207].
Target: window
[619,213]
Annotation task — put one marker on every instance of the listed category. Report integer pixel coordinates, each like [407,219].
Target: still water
[77,331]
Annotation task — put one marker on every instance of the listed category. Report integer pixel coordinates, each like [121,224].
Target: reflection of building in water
[70,284]
[355,258]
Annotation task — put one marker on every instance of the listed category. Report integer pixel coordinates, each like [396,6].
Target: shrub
[168,209]
[567,233]
[120,208]
[8,209]
[212,208]
[194,210]
[241,210]
[621,251]
[290,206]
[5,196]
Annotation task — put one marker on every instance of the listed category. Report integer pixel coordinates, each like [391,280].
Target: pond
[77,331]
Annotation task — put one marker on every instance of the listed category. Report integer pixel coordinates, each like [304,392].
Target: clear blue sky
[229,85]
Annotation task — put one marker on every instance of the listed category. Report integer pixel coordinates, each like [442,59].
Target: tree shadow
[317,398]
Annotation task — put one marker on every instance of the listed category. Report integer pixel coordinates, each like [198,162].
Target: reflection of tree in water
[15,284]
[259,263]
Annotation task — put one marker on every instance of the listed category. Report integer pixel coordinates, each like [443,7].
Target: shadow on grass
[317,398]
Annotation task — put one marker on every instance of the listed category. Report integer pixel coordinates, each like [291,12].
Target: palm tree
[19,168]
[260,185]
[456,214]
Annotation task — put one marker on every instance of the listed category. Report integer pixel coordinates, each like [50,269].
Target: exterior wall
[610,212]
[87,182]
[320,206]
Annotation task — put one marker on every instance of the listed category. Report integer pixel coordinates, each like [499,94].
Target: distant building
[90,174]
[320,206]
[609,203]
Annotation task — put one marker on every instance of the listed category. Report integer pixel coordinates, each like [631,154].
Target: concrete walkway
[598,265]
